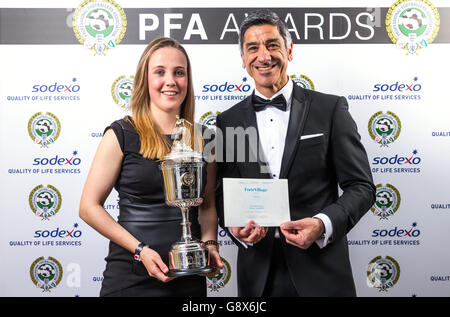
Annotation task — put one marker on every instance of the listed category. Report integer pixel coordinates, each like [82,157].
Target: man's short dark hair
[261,17]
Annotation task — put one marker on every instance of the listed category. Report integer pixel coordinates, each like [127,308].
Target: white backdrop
[408,247]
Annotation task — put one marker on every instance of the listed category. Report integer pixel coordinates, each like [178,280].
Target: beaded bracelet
[212,242]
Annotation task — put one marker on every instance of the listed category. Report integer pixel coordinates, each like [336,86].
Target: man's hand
[304,232]
[251,233]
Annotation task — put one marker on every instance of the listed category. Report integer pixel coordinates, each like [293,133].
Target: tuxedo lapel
[252,169]
[299,112]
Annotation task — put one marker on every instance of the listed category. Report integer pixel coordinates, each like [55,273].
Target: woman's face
[167,80]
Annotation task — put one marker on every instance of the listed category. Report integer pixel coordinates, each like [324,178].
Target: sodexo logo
[227,87]
[397,232]
[398,163]
[407,87]
[398,159]
[57,87]
[59,233]
[58,160]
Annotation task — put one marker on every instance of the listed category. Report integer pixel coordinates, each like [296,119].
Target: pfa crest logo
[44,129]
[303,81]
[122,90]
[384,128]
[209,119]
[220,280]
[383,273]
[45,202]
[99,24]
[412,24]
[46,273]
[387,201]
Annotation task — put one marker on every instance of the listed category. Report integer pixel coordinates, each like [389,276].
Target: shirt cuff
[328,234]
[244,244]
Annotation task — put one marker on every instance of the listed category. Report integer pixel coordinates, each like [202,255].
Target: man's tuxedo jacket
[314,167]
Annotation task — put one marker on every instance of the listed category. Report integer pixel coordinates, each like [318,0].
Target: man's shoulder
[324,102]
[235,111]
[322,96]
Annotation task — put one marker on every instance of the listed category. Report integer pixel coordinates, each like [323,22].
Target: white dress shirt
[272,128]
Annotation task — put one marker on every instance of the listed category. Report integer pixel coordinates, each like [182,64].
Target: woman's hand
[154,264]
[214,260]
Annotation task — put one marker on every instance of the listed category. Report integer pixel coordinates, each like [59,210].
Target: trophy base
[186,272]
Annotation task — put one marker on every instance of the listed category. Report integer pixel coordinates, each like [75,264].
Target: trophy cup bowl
[182,172]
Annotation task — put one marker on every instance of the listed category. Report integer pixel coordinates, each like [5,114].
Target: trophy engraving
[187,179]
[182,171]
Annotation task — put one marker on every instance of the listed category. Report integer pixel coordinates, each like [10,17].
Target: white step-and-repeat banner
[63,80]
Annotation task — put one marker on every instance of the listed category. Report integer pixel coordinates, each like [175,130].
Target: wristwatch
[137,252]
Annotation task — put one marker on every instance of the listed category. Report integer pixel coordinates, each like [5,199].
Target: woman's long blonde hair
[154,145]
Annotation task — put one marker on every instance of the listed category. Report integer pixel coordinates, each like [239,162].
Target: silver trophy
[182,172]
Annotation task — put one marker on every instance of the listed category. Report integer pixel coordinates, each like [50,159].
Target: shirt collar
[286,91]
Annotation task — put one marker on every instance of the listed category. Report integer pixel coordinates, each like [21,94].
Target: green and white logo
[412,24]
[384,128]
[44,129]
[45,201]
[99,24]
[303,81]
[209,119]
[220,280]
[383,273]
[387,201]
[46,273]
[122,90]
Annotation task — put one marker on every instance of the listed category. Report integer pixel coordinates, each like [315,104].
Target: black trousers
[279,282]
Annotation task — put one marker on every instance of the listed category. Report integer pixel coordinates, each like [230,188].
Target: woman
[127,159]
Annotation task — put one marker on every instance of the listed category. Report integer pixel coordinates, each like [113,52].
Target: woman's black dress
[145,215]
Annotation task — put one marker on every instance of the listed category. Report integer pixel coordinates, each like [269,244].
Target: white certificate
[266,201]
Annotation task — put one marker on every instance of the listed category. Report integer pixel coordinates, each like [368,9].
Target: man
[314,144]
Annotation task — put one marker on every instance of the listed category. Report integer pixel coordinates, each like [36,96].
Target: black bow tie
[261,104]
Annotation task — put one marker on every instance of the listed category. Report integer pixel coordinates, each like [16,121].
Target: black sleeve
[118,130]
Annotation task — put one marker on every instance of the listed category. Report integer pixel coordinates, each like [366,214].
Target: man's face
[265,58]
